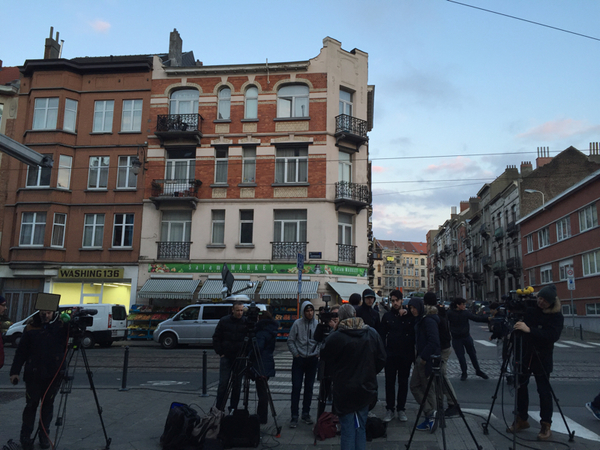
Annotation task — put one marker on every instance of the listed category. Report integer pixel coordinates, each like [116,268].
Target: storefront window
[118,293]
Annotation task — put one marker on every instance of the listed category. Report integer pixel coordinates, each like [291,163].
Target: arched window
[184,101]
[224,104]
[251,111]
[292,101]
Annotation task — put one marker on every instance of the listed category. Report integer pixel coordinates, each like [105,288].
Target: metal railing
[173,250]
[352,191]
[287,251]
[175,188]
[179,122]
[486,260]
[499,233]
[348,124]
[347,253]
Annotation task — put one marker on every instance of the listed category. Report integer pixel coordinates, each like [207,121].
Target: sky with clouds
[460,92]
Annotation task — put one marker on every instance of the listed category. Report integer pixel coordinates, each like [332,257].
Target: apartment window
[176,226]
[126,179]
[563,266]
[221,164]
[251,106]
[103,116]
[345,167]
[290,225]
[588,218]
[544,237]
[58,230]
[422,284]
[218,227]
[565,309]
[591,263]
[224,104]
[38,176]
[422,261]
[181,164]
[563,228]
[292,101]
[184,101]
[123,230]
[64,172]
[98,173]
[1,111]
[379,281]
[422,272]
[531,273]
[33,227]
[248,164]
[546,274]
[345,102]
[246,226]
[131,118]
[529,243]
[93,230]
[45,113]
[344,229]
[291,165]
[592,309]
[70,118]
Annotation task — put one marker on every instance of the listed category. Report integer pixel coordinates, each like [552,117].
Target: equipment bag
[326,426]
[179,427]
[209,425]
[375,428]
[240,429]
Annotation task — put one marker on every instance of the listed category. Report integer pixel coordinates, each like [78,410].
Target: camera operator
[266,338]
[541,328]
[41,350]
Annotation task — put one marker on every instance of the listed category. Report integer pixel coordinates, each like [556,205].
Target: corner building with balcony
[252,164]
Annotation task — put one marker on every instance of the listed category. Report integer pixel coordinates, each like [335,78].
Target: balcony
[486,260]
[499,268]
[351,129]
[512,229]
[484,231]
[476,250]
[477,277]
[352,194]
[287,251]
[467,243]
[175,192]
[499,234]
[179,128]
[454,247]
[513,265]
[173,250]
[347,253]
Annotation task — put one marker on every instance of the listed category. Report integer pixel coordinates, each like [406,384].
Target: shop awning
[345,290]
[173,289]
[288,289]
[212,289]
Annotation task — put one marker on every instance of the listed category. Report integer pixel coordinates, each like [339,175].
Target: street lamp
[532,191]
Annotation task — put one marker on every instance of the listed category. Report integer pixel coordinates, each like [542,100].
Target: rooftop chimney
[526,168]
[594,151]
[453,210]
[464,205]
[52,47]
[543,157]
[175,48]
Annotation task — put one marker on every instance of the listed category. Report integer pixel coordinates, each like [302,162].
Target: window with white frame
[544,237]
[98,172]
[345,228]
[45,113]
[563,267]
[224,104]
[563,228]
[251,103]
[529,243]
[218,227]
[345,167]
[592,309]
[249,164]
[70,118]
[58,230]
[291,165]
[38,176]
[588,218]
[176,226]
[221,164]
[565,309]
[345,102]
[546,274]
[292,101]
[64,172]
[181,164]
[103,116]
[126,179]
[289,225]
[591,263]
[131,117]
[531,273]
[246,226]
[184,101]
[93,230]
[33,227]
[123,230]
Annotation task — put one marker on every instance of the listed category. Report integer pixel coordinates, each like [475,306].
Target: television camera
[513,309]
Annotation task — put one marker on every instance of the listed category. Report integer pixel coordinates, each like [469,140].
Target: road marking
[556,344]
[558,425]
[486,343]
[165,383]
[595,343]
[578,344]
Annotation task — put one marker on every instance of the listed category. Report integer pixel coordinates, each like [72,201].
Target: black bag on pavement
[375,428]
[179,427]
[240,429]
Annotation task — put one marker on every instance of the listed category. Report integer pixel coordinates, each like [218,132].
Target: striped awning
[172,289]
[345,290]
[288,289]
[212,289]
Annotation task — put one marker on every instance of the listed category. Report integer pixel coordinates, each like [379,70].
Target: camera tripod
[514,357]
[439,382]
[67,384]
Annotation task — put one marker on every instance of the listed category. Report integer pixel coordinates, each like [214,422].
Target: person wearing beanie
[366,311]
[355,300]
[540,329]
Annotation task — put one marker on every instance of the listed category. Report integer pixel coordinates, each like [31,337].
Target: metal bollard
[204,374]
[581,331]
[125,366]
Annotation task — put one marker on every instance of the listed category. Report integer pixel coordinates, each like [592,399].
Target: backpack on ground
[375,428]
[179,427]
[326,426]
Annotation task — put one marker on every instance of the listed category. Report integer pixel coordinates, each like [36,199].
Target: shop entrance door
[21,304]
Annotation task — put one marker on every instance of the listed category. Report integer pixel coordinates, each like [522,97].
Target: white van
[110,324]
[195,324]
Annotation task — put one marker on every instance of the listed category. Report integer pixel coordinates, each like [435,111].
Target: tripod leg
[266,385]
[503,370]
[421,407]
[439,402]
[90,376]
[455,400]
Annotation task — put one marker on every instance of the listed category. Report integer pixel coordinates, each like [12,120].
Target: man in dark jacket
[427,338]
[398,334]
[2,309]
[541,328]
[266,338]
[41,350]
[366,311]
[356,355]
[228,341]
[458,318]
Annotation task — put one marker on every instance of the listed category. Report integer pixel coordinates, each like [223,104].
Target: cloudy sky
[460,92]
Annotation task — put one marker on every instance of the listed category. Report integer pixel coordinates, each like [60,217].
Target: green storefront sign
[290,269]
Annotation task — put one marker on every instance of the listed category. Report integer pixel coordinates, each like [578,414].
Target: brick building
[403,266]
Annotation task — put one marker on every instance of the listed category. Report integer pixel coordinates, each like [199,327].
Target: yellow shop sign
[111,273]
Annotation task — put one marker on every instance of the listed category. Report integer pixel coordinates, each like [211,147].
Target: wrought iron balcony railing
[477,250]
[287,251]
[483,230]
[486,260]
[499,267]
[166,123]
[175,188]
[511,228]
[513,264]
[499,233]
[354,192]
[174,250]
[345,124]
[347,253]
